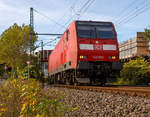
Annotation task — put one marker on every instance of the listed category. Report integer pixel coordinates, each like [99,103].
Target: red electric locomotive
[86,53]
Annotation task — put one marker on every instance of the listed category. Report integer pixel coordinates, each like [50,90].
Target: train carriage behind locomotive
[86,53]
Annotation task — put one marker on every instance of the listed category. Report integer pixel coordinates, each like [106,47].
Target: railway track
[122,90]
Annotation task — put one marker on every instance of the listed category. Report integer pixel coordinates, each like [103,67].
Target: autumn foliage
[25,98]
[15,46]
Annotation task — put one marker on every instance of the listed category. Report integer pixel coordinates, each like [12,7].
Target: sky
[54,16]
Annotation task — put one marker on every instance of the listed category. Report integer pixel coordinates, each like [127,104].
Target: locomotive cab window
[95,30]
[105,32]
[86,32]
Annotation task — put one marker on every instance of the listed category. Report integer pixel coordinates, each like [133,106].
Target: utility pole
[42,56]
[42,65]
[42,50]
[31,27]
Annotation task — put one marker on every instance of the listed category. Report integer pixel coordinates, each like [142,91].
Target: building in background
[43,55]
[134,47]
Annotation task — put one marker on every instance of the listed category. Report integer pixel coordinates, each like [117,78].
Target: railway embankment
[102,104]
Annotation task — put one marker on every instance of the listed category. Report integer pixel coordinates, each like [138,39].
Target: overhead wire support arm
[52,34]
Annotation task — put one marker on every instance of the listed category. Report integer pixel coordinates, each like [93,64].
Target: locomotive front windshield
[95,30]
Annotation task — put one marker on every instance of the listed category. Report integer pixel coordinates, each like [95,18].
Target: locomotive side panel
[64,56]
[72,46]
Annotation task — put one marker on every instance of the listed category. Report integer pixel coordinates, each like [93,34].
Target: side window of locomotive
[67,35]
[106,32]
[86,31]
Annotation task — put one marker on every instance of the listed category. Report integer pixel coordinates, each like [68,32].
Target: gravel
[100,104]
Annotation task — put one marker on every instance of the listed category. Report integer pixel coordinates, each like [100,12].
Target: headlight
[112,57]
[83,57]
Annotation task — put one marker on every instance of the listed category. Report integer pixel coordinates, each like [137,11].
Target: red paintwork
[71,51]
[66,49]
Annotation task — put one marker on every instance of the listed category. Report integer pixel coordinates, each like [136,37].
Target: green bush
[135,72]
[34,72]
[25,98]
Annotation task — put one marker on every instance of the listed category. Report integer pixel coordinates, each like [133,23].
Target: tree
[147,34]
[135,72]
[15,45]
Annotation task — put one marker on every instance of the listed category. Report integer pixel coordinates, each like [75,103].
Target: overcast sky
[53,16]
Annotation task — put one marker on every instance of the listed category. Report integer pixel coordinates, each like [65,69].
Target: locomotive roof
[88,21]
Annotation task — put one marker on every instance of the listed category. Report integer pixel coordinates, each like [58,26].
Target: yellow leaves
[75,108]
[23,107]
[33,103]
[42,115]
[31,86]
[14,45]
[29,100]
[23,89]
[38,115]
[21,116]
[3,109]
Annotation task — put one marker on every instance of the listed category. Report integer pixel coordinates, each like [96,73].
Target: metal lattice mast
[31,18]
[31,27]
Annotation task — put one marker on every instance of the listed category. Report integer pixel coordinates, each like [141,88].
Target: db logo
[97,47]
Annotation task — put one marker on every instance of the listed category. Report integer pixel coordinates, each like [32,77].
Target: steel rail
[123,90]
